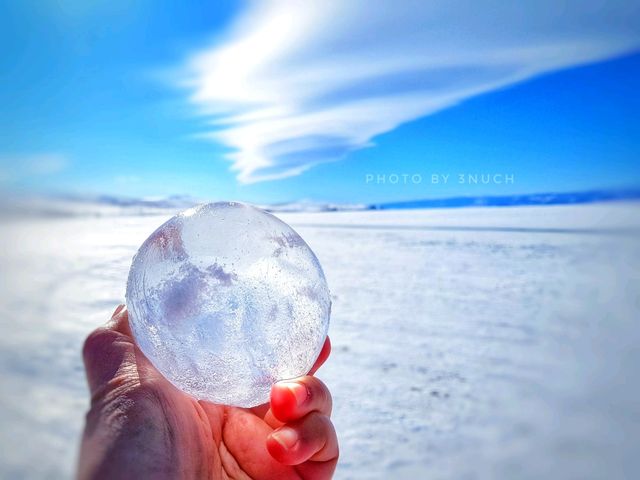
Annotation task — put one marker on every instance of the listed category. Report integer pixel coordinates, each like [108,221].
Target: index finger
[263,411]
[293,399]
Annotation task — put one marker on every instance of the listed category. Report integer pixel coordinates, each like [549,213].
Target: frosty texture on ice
[225,299]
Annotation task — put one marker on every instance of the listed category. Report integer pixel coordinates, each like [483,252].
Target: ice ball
[225,299]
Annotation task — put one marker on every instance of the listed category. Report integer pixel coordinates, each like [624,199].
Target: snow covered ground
[468,343]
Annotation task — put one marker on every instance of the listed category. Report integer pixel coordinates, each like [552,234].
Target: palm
[171,434]
[232,440]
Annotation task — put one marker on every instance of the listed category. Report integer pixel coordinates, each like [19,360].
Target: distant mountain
[515,200]
[174,201]
[310,206]
[107,205]
[91,206]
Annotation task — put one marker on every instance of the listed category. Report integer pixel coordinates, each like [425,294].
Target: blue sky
[269,102]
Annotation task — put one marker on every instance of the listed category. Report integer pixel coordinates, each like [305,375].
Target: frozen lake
[467,343]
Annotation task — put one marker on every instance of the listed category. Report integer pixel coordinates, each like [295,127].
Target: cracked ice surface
[225,299]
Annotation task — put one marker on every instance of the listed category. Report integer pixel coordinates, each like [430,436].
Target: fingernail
[287,437]
[113,320]
[298,390]
[118,310]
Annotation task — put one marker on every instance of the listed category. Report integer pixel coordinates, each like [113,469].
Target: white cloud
[18,167]
[42,164]
[296,83]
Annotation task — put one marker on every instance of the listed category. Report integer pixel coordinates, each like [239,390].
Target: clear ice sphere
[225,299]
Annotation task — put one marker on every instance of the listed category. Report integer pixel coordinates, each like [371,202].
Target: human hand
[140,426]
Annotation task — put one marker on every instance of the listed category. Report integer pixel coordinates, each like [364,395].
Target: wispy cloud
[296,83]
[16,167]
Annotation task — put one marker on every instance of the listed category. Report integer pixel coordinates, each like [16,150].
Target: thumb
[108,349]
